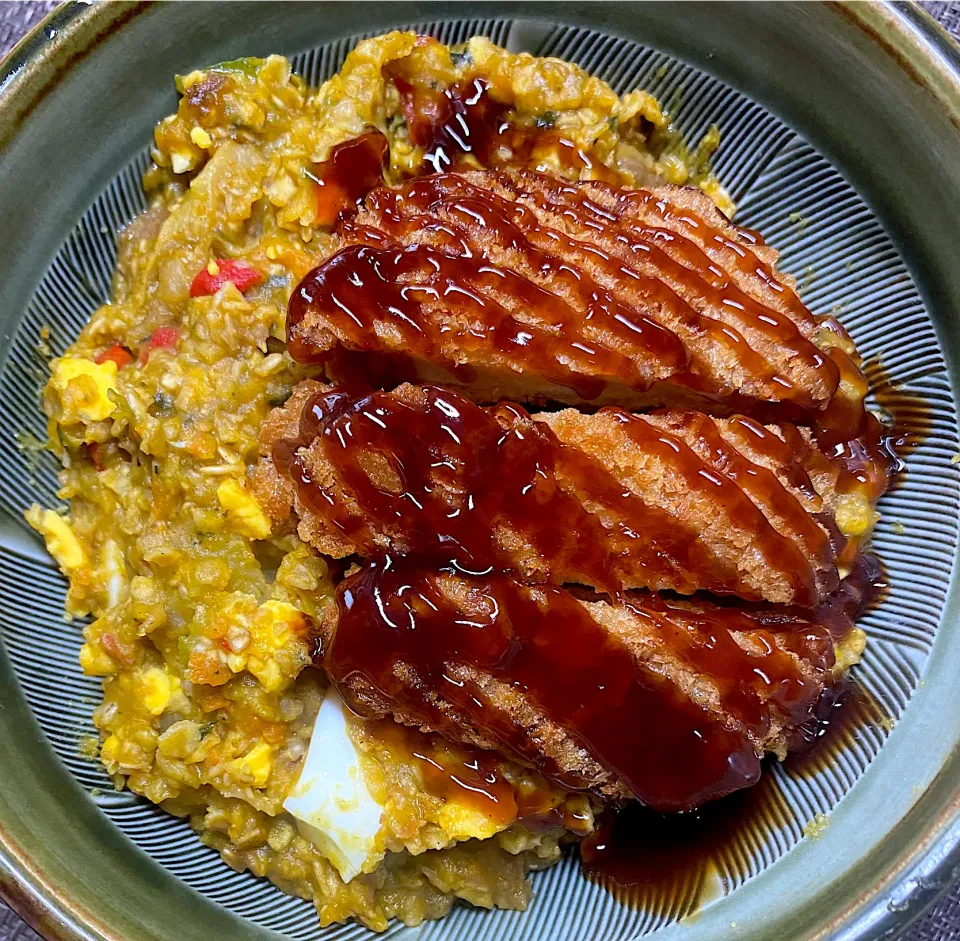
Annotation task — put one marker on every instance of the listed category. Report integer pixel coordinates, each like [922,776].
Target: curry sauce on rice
[211,609]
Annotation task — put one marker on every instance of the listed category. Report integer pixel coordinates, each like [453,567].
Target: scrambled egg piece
[243,511]
[466,823]
[95,661]
[201,138]
[855,516]
[83,388]
[110,753]
[62,544]
[155,690]
[256,764]
[255,638]
[272,627]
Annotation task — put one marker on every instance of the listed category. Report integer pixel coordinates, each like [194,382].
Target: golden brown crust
[644,631]
[663,479]
[637,298]
[765,524]
[275,492]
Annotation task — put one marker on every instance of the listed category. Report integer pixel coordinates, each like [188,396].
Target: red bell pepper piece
[239,273]
[116,354]
[161,338]
[164,337]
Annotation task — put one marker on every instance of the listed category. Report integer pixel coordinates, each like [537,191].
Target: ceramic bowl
[841,142]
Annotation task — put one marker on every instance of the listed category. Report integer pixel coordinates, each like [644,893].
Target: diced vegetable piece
[165,337]
[117,354]
[162,338]
[218,273]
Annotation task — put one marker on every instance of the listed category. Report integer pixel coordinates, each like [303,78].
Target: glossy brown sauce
[463,220]
[754,688]
[446,445]
[544,646]
[649,860]
[552,651]
[488,259]
[462,126]
[909,415]
[670,270]
[468,777]
[353,169]
[724,488]
[654,250]
[677,863]
[364,285]
[739,256]
[669,257]
[463,476]
[849,716]
[451,124]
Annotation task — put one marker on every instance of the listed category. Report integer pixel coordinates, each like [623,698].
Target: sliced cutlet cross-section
[667,702]
[527,287]
[671,500]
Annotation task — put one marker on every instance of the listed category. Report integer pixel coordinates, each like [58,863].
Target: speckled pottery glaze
[848,115]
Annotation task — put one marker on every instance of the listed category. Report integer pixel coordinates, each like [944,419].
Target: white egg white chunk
[331,802]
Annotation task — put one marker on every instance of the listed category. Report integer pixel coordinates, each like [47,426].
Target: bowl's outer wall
[71,122]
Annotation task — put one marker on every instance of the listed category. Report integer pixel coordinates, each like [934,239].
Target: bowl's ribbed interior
[831,242]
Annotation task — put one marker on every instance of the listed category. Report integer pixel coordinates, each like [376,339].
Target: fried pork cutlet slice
[520,285]
[670,500]
[671,703]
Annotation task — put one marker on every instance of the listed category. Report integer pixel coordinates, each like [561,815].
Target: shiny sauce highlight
[466,642]
[352,170]
[463,475]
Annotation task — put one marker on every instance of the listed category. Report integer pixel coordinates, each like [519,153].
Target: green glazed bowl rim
[900,30]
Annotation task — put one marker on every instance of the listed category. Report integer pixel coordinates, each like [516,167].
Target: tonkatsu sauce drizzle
[466,480]
[463,127]
[679,862]
[352,169]
[621,301]
[526,218]
[673,753]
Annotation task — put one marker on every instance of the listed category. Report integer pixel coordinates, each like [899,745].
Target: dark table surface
[941,923]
